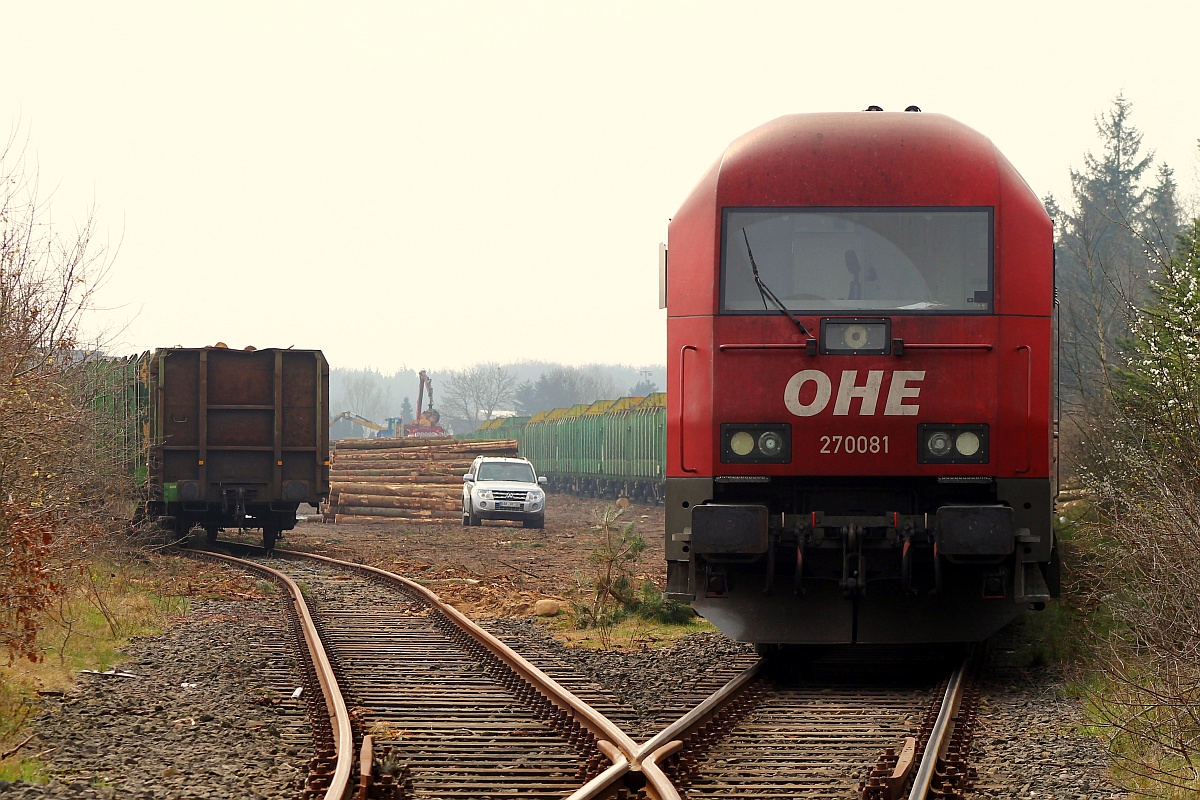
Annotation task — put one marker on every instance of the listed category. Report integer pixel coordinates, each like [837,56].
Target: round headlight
[742,443]
[938,443]
[855,337]
[967,443]
[770,444]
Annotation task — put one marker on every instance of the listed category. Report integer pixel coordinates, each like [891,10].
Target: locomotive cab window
[898,260]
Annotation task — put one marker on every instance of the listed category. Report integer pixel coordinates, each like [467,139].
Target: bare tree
[476,393]
[365,393]
[56,474]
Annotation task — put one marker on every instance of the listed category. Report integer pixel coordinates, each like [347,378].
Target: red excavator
[426,423]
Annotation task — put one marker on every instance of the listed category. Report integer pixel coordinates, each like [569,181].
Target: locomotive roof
[863,158]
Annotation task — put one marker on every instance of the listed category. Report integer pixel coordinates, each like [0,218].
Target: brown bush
[53,479]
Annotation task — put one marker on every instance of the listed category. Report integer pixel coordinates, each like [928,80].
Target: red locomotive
[859,424]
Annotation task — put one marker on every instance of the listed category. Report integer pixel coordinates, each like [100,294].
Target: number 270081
[854,444]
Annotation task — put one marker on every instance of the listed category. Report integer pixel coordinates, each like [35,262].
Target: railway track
[763,736]
[411,699]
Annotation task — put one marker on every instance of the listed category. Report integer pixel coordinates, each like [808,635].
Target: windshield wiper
[765,291]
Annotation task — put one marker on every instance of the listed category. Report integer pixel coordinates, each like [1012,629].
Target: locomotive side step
[1031,586]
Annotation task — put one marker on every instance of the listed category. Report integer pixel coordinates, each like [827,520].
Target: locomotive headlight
[967,443]
[952,443]
[741,443]
[756,443]
[856,337]
[938,444]
[770,444]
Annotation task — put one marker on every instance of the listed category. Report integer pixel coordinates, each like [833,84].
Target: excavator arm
[427,419]
[355,418]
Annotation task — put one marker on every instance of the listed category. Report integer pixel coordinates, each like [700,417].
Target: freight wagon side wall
[231,418]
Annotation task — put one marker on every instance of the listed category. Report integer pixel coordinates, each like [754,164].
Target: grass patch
[612,595]
[1051,637]
[102,610]
[631,633]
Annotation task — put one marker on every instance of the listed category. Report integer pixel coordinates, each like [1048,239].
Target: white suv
[503,488]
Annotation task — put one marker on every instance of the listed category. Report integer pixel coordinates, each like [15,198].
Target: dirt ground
[498,569]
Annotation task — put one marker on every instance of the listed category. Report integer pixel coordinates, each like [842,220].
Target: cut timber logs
[401,490]
[399,513]
[388,476]
[403,479]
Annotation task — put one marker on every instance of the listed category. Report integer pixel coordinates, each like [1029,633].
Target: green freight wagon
[609,448]
[587,445]
[537,443]
[118,399]
[636,448]
[486,430]
[568,436]
[510,428]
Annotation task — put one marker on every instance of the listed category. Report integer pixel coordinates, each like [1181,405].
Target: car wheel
[472,516]
[466,519]
[537,522]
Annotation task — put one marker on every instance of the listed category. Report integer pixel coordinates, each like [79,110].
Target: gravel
[643,680]
[1029,741]
[208,715]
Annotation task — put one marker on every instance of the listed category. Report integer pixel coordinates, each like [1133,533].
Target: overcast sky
[436,184]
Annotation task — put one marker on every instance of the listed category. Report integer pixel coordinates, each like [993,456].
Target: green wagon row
[610,448]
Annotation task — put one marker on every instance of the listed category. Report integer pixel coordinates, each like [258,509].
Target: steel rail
[625,754]
[650,755]
[701,713]
[938,737]
[611,740]
[335,704]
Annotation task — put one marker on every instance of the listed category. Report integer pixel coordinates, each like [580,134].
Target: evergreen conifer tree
[1158,389]
[1104,251]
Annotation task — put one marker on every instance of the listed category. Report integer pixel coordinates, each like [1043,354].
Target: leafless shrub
[56,477]
[1145,564]
[1137,456]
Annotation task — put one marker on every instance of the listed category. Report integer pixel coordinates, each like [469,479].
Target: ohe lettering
[849,390]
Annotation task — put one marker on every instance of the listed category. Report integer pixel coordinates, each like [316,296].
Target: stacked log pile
[408,479]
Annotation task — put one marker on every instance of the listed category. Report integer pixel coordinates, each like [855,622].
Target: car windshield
[851,259]
[505,471]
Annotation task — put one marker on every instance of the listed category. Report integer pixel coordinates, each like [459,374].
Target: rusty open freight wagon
[237,438]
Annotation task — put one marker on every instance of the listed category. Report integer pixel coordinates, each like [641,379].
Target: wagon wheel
[210,533]
[270,536]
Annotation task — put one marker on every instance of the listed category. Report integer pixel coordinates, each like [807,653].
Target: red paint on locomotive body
[907,226]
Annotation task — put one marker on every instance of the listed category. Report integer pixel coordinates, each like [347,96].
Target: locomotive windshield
[828,259]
